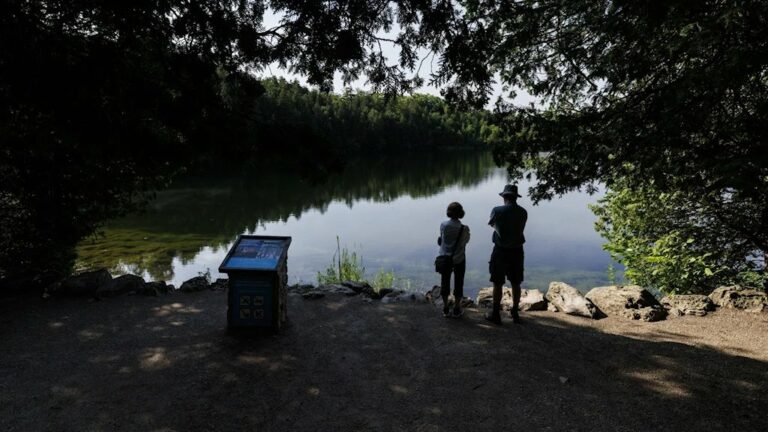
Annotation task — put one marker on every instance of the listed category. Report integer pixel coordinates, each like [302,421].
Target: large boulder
[688,304]
[569,300]
[195,284]
[121,285]
[155,288]
[84,284]
[363,288]
[625,301]
[220,284]
[530,300]
[736,297]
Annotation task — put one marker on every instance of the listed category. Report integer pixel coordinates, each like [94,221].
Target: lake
[387,210]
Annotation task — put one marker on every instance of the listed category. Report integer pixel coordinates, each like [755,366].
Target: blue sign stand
[258,275]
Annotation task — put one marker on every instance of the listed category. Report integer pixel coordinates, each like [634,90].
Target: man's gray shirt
[508,222]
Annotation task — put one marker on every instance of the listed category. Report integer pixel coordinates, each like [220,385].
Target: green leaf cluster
[671,242]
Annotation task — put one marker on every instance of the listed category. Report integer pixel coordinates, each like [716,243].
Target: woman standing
[453,240]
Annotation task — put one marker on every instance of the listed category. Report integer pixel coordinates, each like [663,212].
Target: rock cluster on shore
[100,284]
[626,301]
[629,301]
[351,288]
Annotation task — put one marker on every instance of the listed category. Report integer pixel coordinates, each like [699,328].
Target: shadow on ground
[166,363]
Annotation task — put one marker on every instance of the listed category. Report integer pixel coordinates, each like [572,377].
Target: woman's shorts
[507,264]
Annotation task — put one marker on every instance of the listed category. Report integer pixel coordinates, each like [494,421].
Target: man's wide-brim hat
[510,190]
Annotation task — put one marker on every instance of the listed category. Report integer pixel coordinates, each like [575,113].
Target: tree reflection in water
[211,210]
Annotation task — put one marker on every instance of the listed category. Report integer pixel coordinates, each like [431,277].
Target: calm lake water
[388,210]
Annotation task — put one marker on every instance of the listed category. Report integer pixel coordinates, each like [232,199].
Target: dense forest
[364,122]
[660,101]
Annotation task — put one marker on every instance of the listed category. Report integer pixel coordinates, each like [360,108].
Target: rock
[621,300]
[689,304]
[300,288]
[563,379]
[433,294]
[370,292]
[435,298]
[220,285]
[85,283]
[466,302]
[401,296]
[335,289]
[313,295]
[362,288]
[531,300]
[121,285]
[195,284]
[385,291]
[154,288]
[551,307]
[484,297]
[736,297]
[358,287]
[647,314]
[569,300]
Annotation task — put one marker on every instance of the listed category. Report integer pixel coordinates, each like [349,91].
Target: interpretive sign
[258,275]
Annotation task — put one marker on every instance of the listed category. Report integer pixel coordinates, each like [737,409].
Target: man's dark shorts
[507,264]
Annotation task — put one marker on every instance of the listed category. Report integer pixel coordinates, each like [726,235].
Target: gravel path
[166,364]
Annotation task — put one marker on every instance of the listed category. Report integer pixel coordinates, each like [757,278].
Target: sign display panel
[255,254]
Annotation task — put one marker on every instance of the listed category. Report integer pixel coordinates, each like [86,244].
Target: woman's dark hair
[455,210]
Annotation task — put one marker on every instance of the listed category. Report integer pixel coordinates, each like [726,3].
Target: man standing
[508,222]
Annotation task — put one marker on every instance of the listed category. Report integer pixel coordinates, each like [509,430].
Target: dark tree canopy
[103,100]
[674,93]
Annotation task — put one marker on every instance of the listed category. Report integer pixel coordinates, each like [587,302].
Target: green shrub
[670,241]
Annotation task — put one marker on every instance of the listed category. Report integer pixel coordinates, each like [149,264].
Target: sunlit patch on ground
[172,308]
[154,358]
[89,335]
[399,389]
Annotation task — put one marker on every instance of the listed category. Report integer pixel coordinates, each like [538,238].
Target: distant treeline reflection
[211,210]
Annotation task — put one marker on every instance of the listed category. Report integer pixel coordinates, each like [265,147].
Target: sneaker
[458,313]
[493,317]
[446,312]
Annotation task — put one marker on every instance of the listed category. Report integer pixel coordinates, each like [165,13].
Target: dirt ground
[166,364]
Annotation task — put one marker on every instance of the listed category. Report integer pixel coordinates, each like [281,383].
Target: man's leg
[497,277]
[516,276]
[495,315]
[516,290]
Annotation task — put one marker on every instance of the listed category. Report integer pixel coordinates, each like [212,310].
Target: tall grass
[347,265]
[383,279]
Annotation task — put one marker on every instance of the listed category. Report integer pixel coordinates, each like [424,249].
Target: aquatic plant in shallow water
[346,265]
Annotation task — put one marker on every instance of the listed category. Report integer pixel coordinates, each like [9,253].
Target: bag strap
[458,239]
